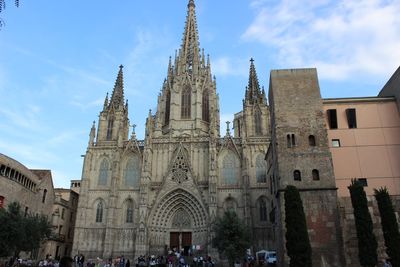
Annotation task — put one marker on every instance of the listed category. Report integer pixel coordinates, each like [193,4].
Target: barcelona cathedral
[143,197]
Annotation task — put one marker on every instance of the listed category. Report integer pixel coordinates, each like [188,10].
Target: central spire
[117,97]
[189,53]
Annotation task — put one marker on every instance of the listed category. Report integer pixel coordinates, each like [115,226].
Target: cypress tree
[367,244]
[297,241]
[389,224]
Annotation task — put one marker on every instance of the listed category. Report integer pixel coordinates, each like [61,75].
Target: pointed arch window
[129,211]
[167,106]
[315,175]
[110,128]
[230,170]
[311,140]
[132,172]
[44,195]
[205,106]
[99,212]
[297,175]
[261,169]
[263,210]
[186,103]
[103,173]
[257,122]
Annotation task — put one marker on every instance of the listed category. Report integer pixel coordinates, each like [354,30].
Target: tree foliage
[367,244]
[19,232]
[389,224]
[232,236]
[297,241]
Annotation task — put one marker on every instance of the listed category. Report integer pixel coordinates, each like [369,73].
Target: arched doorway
[178,220]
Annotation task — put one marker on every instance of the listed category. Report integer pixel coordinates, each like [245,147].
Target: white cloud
[26,119]
[80,103]
[345,39]
[28,154]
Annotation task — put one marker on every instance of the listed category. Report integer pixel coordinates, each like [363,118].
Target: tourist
[66,262]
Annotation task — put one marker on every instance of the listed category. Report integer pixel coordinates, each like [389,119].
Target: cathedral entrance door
[181,240]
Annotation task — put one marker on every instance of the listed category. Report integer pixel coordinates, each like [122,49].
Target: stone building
[148,196]
[32,189]
[63,221]
[145,197]
[299,155]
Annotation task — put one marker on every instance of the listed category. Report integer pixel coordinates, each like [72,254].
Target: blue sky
[58,59]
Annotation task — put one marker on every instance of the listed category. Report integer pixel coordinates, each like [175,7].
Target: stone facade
[63,221]
[142,197]
[145,197]
[300,156]
[33,189]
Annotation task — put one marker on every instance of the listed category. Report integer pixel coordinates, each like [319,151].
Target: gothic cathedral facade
[141,197]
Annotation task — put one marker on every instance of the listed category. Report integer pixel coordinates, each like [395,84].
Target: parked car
[266,256]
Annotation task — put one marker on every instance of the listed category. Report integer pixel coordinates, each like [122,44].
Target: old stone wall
[302,158]
[350,240]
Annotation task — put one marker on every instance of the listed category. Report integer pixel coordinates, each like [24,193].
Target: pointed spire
[105,102]
[253,92]
[117,98]
[191,4]
[92,134]
[190,42]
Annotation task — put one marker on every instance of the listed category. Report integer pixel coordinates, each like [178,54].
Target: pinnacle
[253,87]
[191,3]
[117,97]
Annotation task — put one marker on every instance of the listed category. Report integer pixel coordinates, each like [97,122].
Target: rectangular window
[335,142]
[62,213]
[332,118]
[363,181]
[351,117]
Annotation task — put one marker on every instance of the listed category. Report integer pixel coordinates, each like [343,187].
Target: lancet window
[129,211]
[205,106]
[230,169]
[103,173]
[167,106]
[132,172]
[261,169]
[99,212]
[186,103]
[257,122]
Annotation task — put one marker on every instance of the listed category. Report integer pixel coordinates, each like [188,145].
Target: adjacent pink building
[364,139]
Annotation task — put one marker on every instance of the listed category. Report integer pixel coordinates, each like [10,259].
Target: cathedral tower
[143,197]
[114,122]
[188,102]
[300,156]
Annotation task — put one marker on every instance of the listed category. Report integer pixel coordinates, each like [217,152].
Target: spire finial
[191,3]
[133,130]
[228,132]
